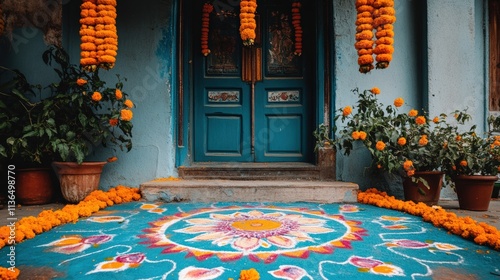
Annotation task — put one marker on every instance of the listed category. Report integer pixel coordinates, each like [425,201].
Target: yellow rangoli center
[256,225]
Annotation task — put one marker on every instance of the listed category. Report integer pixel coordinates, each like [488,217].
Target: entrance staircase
[250,182]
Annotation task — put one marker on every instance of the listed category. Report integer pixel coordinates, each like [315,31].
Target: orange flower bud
[81,82]
[362,135]
[413,113]
[118,94]
[380,146]
[375,90]
[347,111]
[463,163]
[401,141]
[398,102]
[96,96]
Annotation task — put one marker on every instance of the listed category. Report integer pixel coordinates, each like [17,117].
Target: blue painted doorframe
[236,95]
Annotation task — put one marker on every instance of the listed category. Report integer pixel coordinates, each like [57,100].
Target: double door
[254,103]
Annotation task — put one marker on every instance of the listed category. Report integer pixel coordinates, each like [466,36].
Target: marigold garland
[28,227]
[466,227]
[364,35]
[247,21]
[296,21]
[383,18]
[2,21]
[98,34]
[9,274]
[205,27]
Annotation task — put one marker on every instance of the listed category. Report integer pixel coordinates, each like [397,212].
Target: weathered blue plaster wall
[145,58]
[450,77]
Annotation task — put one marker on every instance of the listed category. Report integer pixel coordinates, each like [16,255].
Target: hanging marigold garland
[364,35]
[383,18]
[296,21]
[2,22]
[247,21]
[99,38]
[205,27]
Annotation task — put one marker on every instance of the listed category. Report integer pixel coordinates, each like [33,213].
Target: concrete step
[253,171]
[249,191]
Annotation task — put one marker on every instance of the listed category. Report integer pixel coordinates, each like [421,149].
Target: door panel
[269,120]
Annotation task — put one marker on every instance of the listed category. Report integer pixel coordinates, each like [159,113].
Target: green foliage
[399,142]
[80,113]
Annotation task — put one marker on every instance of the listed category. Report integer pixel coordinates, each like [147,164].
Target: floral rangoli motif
[261,233]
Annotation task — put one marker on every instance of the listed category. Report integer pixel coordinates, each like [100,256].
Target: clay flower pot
[418,192]
[474,192]
[78,180]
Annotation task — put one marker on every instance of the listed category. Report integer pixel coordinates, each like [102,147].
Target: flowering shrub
[399,142]
[84,111]
[471,154]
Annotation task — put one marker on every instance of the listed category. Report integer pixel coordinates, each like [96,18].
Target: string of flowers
[466,227]
[98,34]
[2,21]
[205,27]
[247,21]
[383,19]
[296,21]
[28,227]
[9,273]
[364,35]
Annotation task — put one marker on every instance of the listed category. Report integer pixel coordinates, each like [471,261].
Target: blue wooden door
[254,104]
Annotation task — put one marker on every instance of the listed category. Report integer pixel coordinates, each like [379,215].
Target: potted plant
[325,152]
[406,144]
[473,165]
[20,117]
[80,113]
[86,113]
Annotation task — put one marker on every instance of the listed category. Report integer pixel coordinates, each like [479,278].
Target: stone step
[249,191]
[253,171]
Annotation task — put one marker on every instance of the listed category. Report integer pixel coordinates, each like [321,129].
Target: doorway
[253,104]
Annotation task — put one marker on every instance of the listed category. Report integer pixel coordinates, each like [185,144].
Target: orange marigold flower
[458,138]
[410,172]
[113,122]
[96,96]
[355,135]
[362,135]
[249,274]
[420,120]
[413,113]
[126,115]
[118,94]
[463,163]
[398,102]
[81,81]
[401,141]
[435,120]
[375,90]
[380,146]
[408,164]
[112,159]
[347,110]
[128,103]
[423,140]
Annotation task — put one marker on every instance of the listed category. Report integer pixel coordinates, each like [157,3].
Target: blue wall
[439,69]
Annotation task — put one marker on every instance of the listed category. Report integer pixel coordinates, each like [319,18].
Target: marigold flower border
[29,227]
[466,227]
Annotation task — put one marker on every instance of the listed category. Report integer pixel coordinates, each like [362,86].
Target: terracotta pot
[34,186]
[418,192]
[474,192]
[78,180]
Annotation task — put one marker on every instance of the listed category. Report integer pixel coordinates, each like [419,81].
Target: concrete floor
[492,216]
